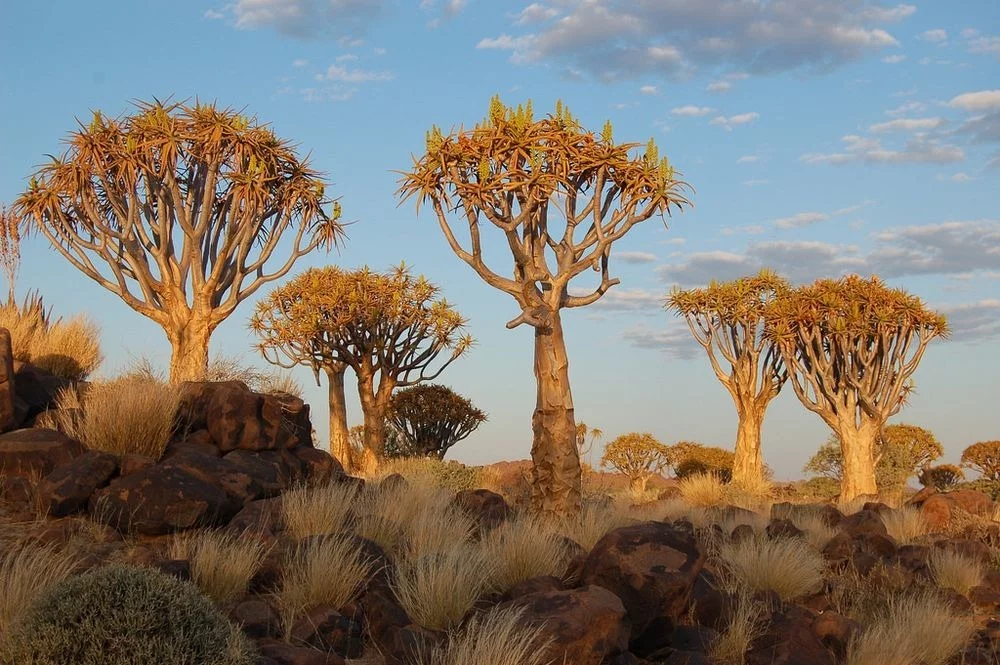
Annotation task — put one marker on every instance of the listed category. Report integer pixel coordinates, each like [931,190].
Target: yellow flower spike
[484,169]
[607,133]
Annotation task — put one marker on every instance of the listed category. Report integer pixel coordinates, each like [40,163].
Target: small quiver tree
[430,419]
[983,457]
[727,320]
[390,328]
[10,248]
[942,477]
[689,459]
[560,196]
[850,347]
[637,456]
[178,210]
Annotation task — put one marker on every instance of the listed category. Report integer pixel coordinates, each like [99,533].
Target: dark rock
[838,550]
[742,532]
[382,612]
[651,566]
[877,507]
[256,618]
[863,521]
[69,486]
[318,465]
[402,645]
[271,472]
[985,597]
[35,452]
[913,558]
[971,501]
[487,508]
[195,442]
[970,549]
[239,486]
[283,653]
[394,482]
[263,515]
[779,528]
[133,463]
[789,640]
[875,544]
[179,568]
[834,631]
[328,630]
[544,583]
[693,638]
[936,511]
[35,391]
[8,416]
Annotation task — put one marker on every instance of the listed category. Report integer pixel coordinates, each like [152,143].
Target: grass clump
[817,531]
[497,637]
[388,516]
[127,415]
[121,615]
[325,569]
[222,563]
[315,510]
[917,628]
[26,572]
[438,590]
[594,521]
[790,567]
[702,490]
[746,624]
[523,548]
[905,525]
[68,348]
[953,570]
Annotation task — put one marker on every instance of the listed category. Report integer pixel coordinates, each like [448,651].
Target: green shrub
[120,615]
[450,475]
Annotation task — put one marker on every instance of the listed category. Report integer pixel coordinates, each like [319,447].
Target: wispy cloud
[734,120]
[691,111]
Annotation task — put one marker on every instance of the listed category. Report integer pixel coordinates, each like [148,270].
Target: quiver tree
[430,419]
[850,347]
[983,457]
[391,328]
[178,210]
[727,320]
[689,458]
[637,456]
[557,197]
[942,477]
[586,437]
[10,248]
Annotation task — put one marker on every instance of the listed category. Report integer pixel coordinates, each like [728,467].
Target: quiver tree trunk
[340,443]
[375,408]
[858,447]
[748,466]
[637,484]
[189,349]
[554,454]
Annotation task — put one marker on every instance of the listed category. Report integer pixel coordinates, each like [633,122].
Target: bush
[311,511]
[952,570]
[127,415]
[67,348]
[689,459]
[449,474]
[120,615]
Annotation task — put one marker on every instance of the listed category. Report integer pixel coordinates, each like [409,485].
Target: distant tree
[431,419]
[184,206]
[942,477]
[561,197]
[851,346]
[983,457]
[726,319]
[10,248]
[689,459]
[828,461]
[390,328]
[637,456]
[586,437]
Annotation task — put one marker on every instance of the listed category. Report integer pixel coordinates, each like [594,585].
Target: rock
[256,618]
[35,452]
[159,500]
[69,486]
[179,568]
[8,416]
[403,645]
[132,463]
[971,501]
[271,472]
[693,638]
[742,532]
[487,508]
[287,654]
[238,485]
[35,390]
[586,626]
[936,511]
[328,630]
[875,544]
[17,490]
[394,482]
[263,515]
[863,521]
[318,465]
[789,640]
[651,566]
[985,597]
[780,528]
[382,612]
[544,583]
[918,499]
[913,558]
[877,507]
[970,549]
[834,631]
[197,442]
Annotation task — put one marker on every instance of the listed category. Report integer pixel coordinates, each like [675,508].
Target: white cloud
[907,125]
[893,59]
[755,182]
[346,57]
[671,336]
[936,36]
[300,62]
[740,119]
[635,257]
[907,107]
[348,75]
[503,42]
[691,111]
[975,321]
[970,33]
[984,100]
[535,13]
[990,45]
[629,300]
[918,150]
[750,229]
[306,18]
[648,90]
[213,15]
[801,219]
[718,86]
[956,177]
[747,159]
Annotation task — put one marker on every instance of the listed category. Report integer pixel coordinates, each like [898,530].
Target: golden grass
[904,524]
[69,348]
[26,572]
[809,520]
[853,506]
[911,629]
[314,510]
[788,566]
[326,569]
[128,415]
[438,590]
[952,570]
[593,522]
[746,624]
[497,637]
[281,382]
[436,528]
[523,548]
[387,516]
[222,563]
[702,489]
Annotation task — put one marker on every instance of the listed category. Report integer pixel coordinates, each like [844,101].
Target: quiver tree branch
[178,210]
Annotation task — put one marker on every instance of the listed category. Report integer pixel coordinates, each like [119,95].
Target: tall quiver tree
[178,210]
[391,328]
[727,320]
[560,196]
[851,346]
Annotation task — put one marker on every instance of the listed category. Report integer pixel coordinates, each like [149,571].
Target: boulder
[651,566]
[971,501]
[161,499]
[8,416]
[585,626]
[863,521]
[270,470]
[238,485]
[790,640]
[780,528]
[834,631]
[35,452]
[283,653]
[35,391]
[326,629]
[318,465]
[70,485]
[488,509]
[133,462]
[936,511]
[256,618]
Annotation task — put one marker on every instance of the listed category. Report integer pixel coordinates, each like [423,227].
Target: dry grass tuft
[222,563]
[904,524]
[315,510]
[26,572]
[703,490]
[325,569]
[438,590]
[853,506]
[593,522]
[128,415]
[524,548]
[436,528]
[69,348]
[817,532]
[917,628]
[952,570]
[498,637]
[387,517]
[788,566]
[747,623]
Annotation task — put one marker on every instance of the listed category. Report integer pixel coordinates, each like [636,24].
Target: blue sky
[821,137]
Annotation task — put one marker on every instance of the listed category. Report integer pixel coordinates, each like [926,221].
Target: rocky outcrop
[35,452]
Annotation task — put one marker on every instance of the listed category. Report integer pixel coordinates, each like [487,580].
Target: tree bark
[374,407]
[555,456]
[748,467]
[340,443]
[189,350]
[858,447]
[637,485]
